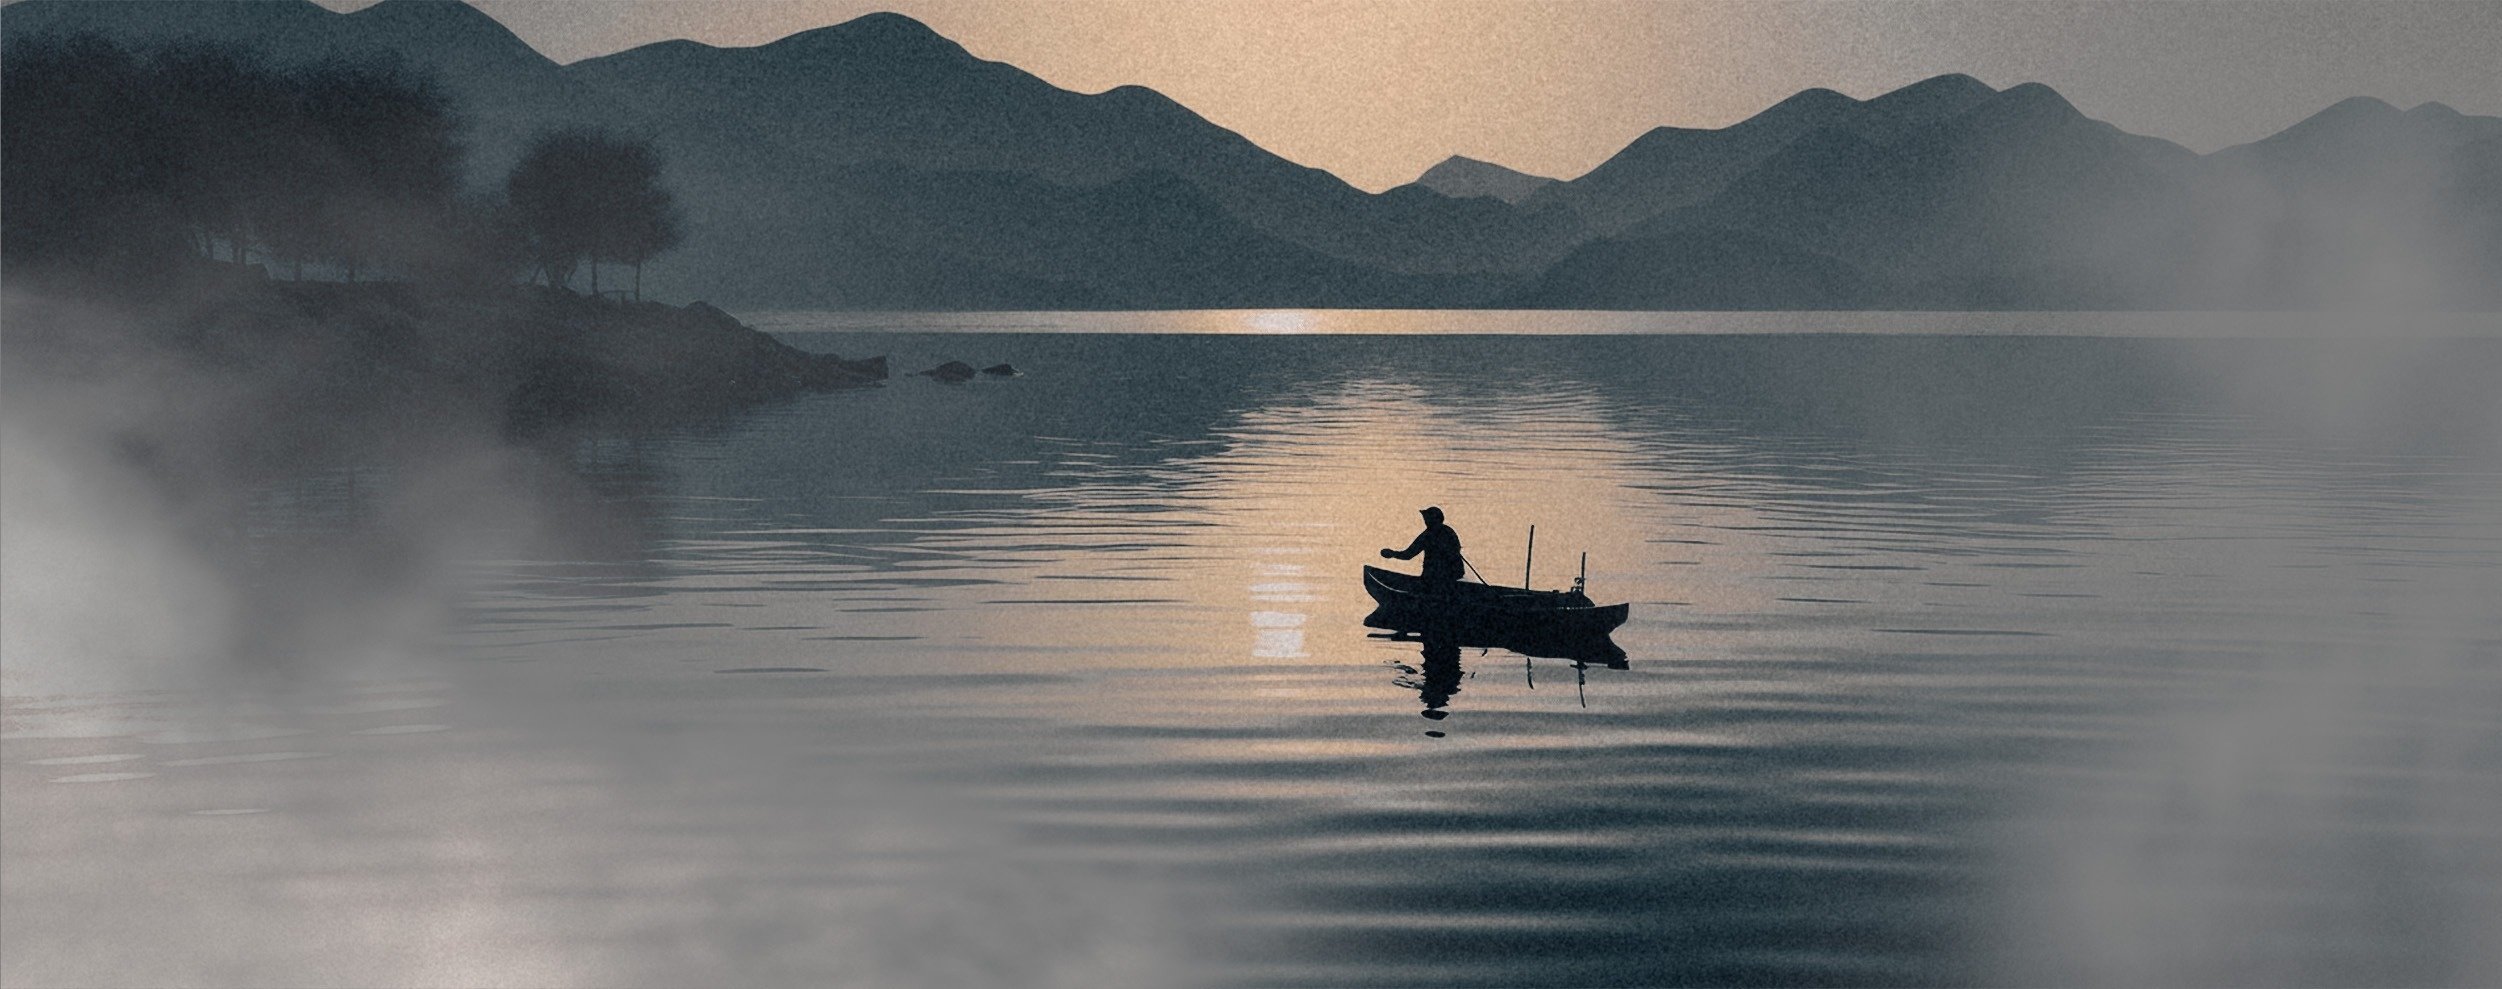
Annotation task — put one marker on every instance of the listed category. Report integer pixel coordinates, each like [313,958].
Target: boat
[1486,611]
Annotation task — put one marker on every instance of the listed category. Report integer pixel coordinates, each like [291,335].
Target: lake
[2006,655]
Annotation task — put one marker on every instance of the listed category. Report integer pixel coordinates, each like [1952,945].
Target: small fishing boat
[1484,608]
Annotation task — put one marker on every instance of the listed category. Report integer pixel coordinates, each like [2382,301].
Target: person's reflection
[1439,678]
[1441,675]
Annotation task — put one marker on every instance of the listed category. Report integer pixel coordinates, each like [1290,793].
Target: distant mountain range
[875,164]
[1462,178]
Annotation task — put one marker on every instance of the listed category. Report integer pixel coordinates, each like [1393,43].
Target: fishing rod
[1530,558]
[1524,563]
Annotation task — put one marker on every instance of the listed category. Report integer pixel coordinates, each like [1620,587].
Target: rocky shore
[523,354]
[609,359]
[209,379]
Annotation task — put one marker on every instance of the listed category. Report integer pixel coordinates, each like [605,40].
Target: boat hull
[1486,611]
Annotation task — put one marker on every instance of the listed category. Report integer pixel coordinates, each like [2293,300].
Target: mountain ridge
[1462,177]
[835,158]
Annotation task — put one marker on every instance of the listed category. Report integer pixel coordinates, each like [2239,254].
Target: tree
[117,162]
[232,117]
[653,229]
[89,166]
[587,195]
[380,155]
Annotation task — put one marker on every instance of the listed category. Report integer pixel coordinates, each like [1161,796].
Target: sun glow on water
[1281,321]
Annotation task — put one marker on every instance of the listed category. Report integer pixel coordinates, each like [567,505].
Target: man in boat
[1441,546]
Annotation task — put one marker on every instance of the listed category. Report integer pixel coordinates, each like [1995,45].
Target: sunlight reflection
[1282,321]
[1278,643]
[1272,518]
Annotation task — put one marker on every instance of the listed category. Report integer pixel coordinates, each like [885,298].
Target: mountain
[1942,195]
[2018,200]
[1698,269]
[2365,205]
[1671,167]
[820,125]
[791,150]
[2003,200]
[885,88]
[876,164]
[2353,140]
[1465,178]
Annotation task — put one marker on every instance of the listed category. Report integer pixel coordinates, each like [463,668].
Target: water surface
[1952,659]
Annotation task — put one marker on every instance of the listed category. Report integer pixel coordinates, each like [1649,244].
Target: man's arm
[1414,547]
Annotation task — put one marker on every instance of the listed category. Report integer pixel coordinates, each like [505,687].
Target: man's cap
[1430,512]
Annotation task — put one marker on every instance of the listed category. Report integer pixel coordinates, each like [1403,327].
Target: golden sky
[1378,90]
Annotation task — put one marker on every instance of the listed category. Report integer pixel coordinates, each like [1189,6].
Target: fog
[197,555]
[2324,808]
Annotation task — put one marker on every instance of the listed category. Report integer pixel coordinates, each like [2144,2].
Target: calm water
[1952,660]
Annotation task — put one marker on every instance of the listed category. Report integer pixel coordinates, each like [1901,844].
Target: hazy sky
[1377,90]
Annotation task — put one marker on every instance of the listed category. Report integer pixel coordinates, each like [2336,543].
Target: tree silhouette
[587,195]
[652,228]
[114,161]
[383,160]
[231,117]
[88,159]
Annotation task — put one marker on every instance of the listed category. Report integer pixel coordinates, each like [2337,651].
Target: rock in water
[1001,371]
[951,371]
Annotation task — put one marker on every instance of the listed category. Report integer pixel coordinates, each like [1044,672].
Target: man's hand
[1388,555]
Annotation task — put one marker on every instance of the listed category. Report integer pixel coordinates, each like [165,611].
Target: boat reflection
[1439,676]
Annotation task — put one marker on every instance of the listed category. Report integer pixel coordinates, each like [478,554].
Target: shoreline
[529,354]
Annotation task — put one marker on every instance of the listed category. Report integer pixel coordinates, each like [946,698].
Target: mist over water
[2051,659]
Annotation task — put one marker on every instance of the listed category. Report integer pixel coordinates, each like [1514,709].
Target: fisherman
[1441,546]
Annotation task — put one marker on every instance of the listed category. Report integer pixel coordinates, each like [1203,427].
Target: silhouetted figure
[1441,546]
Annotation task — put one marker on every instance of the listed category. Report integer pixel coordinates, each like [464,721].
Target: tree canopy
[115,159]
[583,194]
